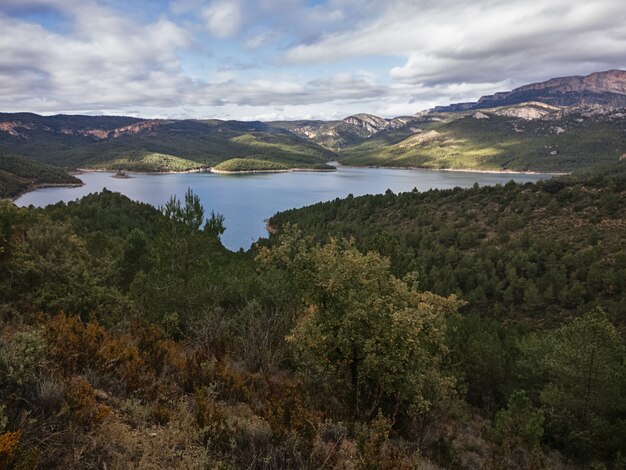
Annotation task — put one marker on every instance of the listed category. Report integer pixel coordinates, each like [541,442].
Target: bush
[8,446]
[21,358]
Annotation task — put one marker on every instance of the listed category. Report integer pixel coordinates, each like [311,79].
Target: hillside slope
[18,174]
[534,253]
[151,145]
[525,137]
[605,90]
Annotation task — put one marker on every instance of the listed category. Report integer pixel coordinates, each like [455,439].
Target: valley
[444,290]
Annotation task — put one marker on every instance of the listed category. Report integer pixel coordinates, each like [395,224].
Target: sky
[292,59]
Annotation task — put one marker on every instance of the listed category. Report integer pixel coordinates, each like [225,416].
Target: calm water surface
[247,201]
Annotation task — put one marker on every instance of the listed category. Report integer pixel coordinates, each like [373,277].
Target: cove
[248,200]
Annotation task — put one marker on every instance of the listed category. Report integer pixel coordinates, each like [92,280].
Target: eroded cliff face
[368,122]
[20,129]
[612,81]
[603,91]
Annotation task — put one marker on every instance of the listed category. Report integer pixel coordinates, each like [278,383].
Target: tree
[134,258]
[191,215]
[583,365]
[520,423]
[364,331]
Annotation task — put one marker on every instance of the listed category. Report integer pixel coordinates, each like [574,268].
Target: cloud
[292,58]
[261,39]
[457,41]
[223,17]
[106,60]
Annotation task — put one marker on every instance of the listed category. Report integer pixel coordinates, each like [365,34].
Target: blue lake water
[248,200]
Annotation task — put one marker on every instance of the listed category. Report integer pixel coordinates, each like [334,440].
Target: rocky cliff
[604,91]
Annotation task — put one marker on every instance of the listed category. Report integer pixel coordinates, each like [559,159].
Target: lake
[248,200]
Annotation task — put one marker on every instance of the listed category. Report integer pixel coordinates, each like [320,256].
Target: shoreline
[80,171]
[464,170]
[286,170]
[35,187]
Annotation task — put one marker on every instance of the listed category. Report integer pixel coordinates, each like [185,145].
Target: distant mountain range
[600,90]
[558,125]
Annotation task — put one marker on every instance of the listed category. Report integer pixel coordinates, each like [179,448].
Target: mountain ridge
[606,89]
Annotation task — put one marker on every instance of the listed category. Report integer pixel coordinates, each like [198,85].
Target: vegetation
[532,253]
[107,142]
[459,140]
[249,164]
[256,164]
[18,174]
[130,337]
[149,162]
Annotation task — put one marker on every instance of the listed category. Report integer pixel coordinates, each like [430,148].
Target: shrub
[81,403]
[21,358]
[8,446]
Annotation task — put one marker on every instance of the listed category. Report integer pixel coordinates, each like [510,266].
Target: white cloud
[386,57]
[107,60]
[456,41]
[223,17]
[261,39]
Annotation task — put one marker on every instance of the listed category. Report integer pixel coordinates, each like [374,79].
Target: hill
[123,326]
[18,174]
[525,137]
[338,135]
[521,253]
[109,142]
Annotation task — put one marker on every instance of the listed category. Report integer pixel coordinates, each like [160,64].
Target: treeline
[129,337]
[18,174]
[534,254]
[174,145]
[458,140]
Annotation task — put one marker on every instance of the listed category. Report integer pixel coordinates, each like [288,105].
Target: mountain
[338,135]
[112,142]
[558,125]
[600,90]
[523,137]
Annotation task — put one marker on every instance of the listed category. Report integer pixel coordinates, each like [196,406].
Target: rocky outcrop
[368,122]
[604,91]
[11,128]
[20,128]
[530,111]
[138,127]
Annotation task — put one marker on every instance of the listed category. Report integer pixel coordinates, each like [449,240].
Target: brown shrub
[81,403]
[72,345]
[9,443]
[120,357]
[160,414]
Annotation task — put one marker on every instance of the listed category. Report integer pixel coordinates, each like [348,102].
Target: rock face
[600,90]
[368,122]
[374,124]
[337,135]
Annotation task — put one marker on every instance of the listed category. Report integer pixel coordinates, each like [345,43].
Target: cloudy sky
[285,59]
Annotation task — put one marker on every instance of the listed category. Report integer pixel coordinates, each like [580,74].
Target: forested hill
[130,337]
[19,174]
[113,142]
[536,252]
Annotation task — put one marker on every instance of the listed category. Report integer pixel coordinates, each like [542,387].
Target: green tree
[191,214]
[364,331]
[520,423]
[584,374]
[134,258]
